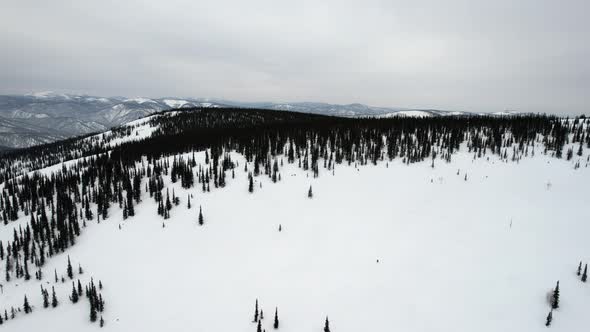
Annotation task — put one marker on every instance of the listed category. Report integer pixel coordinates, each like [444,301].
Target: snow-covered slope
[471,245]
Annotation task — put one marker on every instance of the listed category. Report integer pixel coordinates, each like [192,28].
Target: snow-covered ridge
[140,100]
[48,109]
[392,254]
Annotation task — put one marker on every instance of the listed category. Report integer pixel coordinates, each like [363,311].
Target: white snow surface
[140,100]
[140,128]
[175,103]
[454,255]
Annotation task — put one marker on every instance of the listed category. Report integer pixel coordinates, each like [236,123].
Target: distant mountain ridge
[43,117]
[38,118]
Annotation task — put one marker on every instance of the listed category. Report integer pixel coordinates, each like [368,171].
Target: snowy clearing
[452,254]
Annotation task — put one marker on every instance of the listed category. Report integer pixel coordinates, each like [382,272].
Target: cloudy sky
[475,55]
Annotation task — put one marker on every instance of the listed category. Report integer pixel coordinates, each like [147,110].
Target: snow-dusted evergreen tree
[201,219]
[549,318]
[585,274]
[54,301]
[70,270]
[26,306]
[93,314]
[275,324]
[74,296]
[555,297]
[256,313]
[45,295]
[327,325]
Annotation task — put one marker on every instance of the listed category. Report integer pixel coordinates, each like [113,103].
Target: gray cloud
[528,55]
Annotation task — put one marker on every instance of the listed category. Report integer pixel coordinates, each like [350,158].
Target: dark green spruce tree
[555,299]
[54,301]
[201,220]
[256,311]
[74,296]
[549,318]
[26,306]
[45,297]
[92,311]
[70,269]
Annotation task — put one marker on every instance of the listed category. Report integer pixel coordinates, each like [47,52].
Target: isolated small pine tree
[259,327]
[1,320]
[54,301]
[555,300]
[275,325]
[327,325]
[70,270]
[250,183]
[201,220]
[585,274]
[261,314]
[80,271]
[101,321]
[256,311]
[309,193]
[26,306]
[549,318]
[189,202]
[580,268]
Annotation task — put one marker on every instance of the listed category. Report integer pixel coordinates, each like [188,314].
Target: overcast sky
[526,55]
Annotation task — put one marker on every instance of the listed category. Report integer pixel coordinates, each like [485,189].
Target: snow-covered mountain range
[37,118]
[32,119]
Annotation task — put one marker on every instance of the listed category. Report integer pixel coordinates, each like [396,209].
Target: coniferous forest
[51,194]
